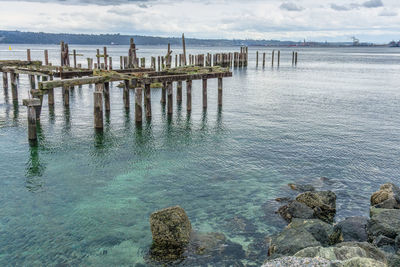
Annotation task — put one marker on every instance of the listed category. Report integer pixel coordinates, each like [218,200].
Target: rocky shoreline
[311,238]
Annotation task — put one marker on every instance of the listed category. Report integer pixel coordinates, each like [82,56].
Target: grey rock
[300,234]
[387,197]
[295,209]
[382,240]
[322,202]
[298,262]
[353,229]
[386,222]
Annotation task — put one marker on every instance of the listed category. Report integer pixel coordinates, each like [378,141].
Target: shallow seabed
[84,198]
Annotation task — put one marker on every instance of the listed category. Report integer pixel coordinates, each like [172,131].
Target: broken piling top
[33,102]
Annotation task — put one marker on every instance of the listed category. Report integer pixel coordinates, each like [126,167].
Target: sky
[313,20]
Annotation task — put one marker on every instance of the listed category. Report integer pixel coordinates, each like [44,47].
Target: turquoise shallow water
[84,199]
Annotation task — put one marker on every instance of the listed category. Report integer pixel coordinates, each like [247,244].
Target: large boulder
[388,197]
[353,229]
[298,261]
[385,222]
[300,234]
[348,254]
[322,202]
[295,209]
[171,230]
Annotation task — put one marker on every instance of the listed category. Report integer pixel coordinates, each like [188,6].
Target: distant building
[394,44]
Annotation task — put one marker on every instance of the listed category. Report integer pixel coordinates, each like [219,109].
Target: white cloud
[238,19]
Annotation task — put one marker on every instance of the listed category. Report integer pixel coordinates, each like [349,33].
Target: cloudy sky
[319,20]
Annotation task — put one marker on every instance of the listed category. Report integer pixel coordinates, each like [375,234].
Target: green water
[82,198]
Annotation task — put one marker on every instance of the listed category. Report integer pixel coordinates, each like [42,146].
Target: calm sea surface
[84,199]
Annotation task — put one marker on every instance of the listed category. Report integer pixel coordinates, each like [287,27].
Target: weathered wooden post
[98,106]
[126,94]
[28,55]
[143,62]
[147,99]
[121,63]
[31,104]
[98,58]
[263,60]
[65,91]
[219,91]
[257,59]
[170,96]
[295,59]
[159,63]
[164,93]
[279,57]
[292,58]
[107,96]
[204,93]
[14,88]
[162,63]
[179,92]
[50,97]
[138,104]
[5,80]
[189,95]
[110,67]
[74,54]
[46,57]
[105,58]
[273,57]
[176,61]
[184,49]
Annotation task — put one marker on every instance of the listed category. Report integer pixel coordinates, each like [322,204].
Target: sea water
[81,198]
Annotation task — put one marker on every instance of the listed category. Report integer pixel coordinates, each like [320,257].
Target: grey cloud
[289,6]
[372,3]
[340,8]
[388,13]
[87,2]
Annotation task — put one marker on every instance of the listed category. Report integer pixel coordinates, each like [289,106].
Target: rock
[295,209]
[348,253]
[206,243]
[388,197]
[300,234]
[393,260]
[171,231]
[374,211]
[240,225]
[301,188]
[353,229]
[297,262]
[322,202]
[386,222]
[382,240]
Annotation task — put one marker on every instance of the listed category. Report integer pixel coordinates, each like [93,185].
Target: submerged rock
[322,202]
[295,209]
[171,231]
[240,225]
[300,234]
[353,229]
[388,197]
[301,188]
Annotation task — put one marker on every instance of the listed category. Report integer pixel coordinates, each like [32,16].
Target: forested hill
[17,37]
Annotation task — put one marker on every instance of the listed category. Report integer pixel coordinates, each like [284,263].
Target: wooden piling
[65,91]
[263,60]
[126,94]
[98,58]
[273,57]
[138,104]
[98,106]
[121,63]
[189,95]
[164,93]
[204,93]
[159,63]
[219,91]
[5,80]
[147,99]
[46,57]
[179,92]
[74,52]
[50,97]
[279,57]
[257,59]
[110,65]
[14,88]
[32,129]
[107,96]
[170,96]
[105,58]
[184,49]
[292,58]
[28,55]
[295,59]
